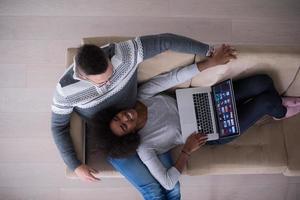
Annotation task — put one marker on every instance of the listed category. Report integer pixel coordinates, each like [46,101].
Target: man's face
[98,79]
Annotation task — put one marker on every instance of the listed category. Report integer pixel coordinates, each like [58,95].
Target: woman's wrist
[208,63]
[185,152]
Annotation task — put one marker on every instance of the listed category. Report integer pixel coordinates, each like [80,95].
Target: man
[101,78]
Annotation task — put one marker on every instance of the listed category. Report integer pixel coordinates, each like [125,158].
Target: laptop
[210,110]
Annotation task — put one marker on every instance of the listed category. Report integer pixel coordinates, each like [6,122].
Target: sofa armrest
[291,129]
[294,87]
[100,41]
[77,132]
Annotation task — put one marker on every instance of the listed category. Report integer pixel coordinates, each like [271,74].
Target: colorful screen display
[224,109]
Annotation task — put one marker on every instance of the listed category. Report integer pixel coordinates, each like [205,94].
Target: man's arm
[60,125]
[177,76]
[156,44]
[166,81]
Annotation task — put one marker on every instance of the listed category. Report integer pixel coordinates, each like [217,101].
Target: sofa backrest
[280,62]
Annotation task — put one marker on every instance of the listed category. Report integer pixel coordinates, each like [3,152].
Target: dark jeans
[255,97]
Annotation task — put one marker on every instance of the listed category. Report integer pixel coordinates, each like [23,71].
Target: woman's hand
[194,142]
[84,172]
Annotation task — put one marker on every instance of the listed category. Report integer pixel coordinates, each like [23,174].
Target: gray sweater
[162,130]
[90,101]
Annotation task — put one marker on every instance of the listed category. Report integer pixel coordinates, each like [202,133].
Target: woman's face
[124,122]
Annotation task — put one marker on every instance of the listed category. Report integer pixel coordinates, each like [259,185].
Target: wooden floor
[34,35]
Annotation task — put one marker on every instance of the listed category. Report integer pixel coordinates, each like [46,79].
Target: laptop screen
[225,108]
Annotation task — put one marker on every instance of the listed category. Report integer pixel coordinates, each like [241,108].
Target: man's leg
[139,176]
[167,161]
[156,44]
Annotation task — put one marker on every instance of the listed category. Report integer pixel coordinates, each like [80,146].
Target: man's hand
[85,173]
[194,142]
[221,56]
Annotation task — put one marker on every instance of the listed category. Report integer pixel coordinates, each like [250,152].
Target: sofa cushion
[291,132]
[164,62]
[71,52]
[260,149]
[294,89]
[100,41]
[281,63]
[77,132]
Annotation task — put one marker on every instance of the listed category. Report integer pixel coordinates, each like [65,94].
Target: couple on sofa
[148,122]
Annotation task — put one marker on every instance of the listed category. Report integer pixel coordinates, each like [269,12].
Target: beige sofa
[267,147]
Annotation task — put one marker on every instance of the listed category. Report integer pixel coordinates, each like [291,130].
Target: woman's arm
[166,81]
[193,142]
[169,177]
[166,177]
[179,75]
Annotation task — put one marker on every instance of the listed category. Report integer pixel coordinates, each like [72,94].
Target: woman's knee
[269,100]
[263,80]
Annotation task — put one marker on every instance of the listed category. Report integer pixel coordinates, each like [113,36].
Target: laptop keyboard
[203,114]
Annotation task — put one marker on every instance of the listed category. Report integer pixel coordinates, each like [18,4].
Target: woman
[155,117]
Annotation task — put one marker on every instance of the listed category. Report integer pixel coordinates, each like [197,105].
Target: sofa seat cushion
[260,149]
[77,133]
[280,63]
[95,157]
[291,131]
[164,62]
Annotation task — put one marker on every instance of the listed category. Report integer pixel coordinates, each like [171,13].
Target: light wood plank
[28,150]
[237,9]
[41,175]
[103,193]
[234,180]
[34,51]
[25,125]
[266,32]
[13,76]
[26,100]
[293,192]
[23,28]
[244,192]
[295,179]
[84,8]
[28,193]
[46,76]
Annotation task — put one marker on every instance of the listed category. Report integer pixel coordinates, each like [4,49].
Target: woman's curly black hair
[113,145]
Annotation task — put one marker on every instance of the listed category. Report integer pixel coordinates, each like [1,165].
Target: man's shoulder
[130,49]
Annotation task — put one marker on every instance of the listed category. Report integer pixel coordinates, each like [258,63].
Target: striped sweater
[89,101]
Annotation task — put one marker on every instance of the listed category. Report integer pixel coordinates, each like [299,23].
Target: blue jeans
[139,176]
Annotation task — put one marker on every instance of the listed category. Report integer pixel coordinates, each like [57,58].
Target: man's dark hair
[113,145]
[91,59]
